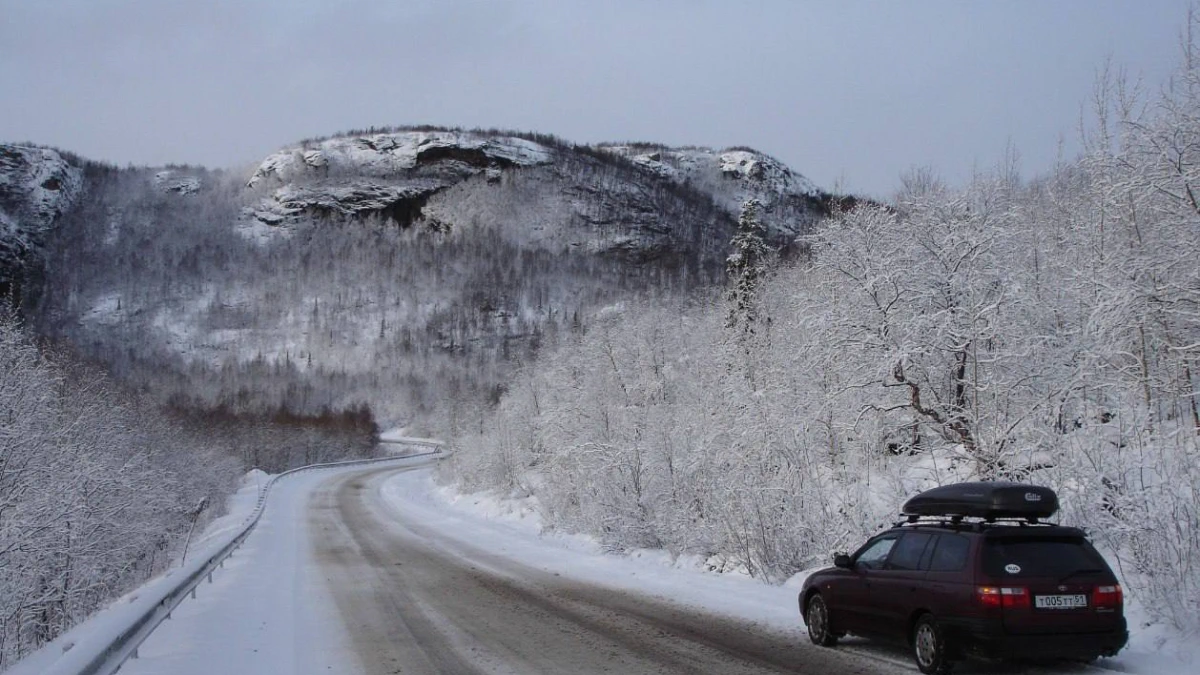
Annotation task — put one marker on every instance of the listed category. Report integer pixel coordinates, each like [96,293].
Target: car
[973,570]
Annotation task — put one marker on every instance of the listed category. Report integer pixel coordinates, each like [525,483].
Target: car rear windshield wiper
[1088,570]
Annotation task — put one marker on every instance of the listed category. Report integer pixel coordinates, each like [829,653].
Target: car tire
[817,616]
[929,647]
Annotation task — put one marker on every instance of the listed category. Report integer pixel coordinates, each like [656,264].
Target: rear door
[1054,585]
[949,589]
[897,589]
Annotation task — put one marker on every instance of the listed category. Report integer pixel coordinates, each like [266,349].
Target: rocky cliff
[37,185]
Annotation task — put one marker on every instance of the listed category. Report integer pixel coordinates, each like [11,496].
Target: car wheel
[929,647]
[817,618]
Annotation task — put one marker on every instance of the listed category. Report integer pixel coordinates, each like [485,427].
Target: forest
[101,485]
[1043,330]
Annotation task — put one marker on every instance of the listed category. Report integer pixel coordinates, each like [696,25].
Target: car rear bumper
[997,644]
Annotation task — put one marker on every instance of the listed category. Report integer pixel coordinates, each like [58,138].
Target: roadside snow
[277,599]
[514,527]
[399,442]
[102,627]
[267,611]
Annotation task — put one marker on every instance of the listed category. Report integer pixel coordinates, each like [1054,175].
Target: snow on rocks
[170,180]
[388,174]
[769,174]
[354,198]
[37,185]
[761,176]
[733,176]
[653,163]
[395,153]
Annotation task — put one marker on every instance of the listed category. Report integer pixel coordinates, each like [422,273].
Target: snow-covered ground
[514,527]
[269,610]
[106,624]
[403,441]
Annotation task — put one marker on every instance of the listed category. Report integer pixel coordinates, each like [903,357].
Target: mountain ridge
[403,263]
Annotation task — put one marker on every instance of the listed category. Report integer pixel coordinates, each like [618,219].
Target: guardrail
[106,656]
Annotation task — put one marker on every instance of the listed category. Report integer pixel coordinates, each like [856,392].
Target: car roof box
[988,500]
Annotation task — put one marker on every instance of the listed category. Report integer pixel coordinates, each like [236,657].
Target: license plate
[1059,601]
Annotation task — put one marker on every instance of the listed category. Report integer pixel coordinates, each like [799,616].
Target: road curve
[418,603]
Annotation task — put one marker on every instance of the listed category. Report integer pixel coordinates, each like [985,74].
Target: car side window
[950,554]
[875,552]
[906,555]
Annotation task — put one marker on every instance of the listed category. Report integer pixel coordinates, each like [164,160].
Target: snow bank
[515,528]
[71,651]
[512,527]
[110,633]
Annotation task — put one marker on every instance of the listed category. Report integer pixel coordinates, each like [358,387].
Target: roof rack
[970,522]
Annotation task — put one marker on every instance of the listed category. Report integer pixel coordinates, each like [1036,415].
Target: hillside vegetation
[389,270]
[100,486]
[1044,330]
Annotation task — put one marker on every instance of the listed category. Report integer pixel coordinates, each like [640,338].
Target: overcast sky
[850,93]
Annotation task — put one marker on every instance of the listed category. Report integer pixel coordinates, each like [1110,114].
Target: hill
[386,269]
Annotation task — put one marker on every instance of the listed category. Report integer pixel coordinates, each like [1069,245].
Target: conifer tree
[745,267]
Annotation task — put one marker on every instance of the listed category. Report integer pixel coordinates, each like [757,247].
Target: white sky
[850,91]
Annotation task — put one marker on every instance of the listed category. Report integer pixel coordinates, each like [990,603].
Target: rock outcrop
[396,175]
[398,154]
[733,176]
[170,180]
[37,185]
[389,174]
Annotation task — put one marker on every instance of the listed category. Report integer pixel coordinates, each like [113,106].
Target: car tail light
[1011,597]
[1107,597]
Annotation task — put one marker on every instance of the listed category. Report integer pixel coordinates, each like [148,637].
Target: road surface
[337,579]
[417,602]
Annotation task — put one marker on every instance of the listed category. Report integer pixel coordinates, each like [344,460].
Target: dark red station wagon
[973,571]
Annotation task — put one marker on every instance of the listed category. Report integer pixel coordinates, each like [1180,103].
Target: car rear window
[1058,558]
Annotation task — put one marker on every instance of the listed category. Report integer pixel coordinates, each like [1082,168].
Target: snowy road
[378,570]
[416,601]
[344,576]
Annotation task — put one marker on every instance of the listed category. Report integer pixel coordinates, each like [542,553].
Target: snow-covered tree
[745,269]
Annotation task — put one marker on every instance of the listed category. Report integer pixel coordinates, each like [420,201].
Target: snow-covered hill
[733,176]
[359,268]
